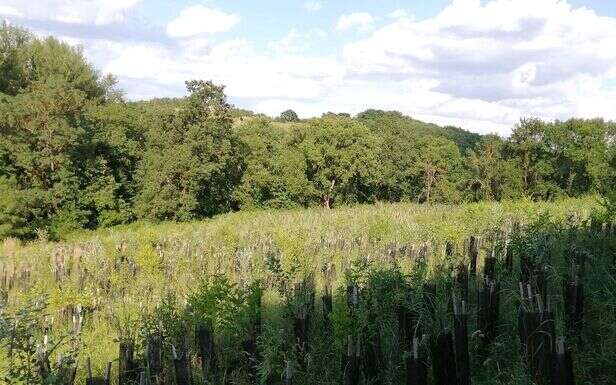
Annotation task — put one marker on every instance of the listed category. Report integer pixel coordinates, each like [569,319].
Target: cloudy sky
[476,64]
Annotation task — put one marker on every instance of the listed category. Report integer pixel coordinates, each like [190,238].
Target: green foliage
[274,172]
[142,280]
[74,155]
[30,351]
[493,177]
[217,304]
[288,116]
[190,166]
[383,121]
[341,163]
[43,146]
[19,337]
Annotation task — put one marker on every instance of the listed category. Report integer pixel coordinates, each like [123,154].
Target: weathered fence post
[288,373]
[153,357]
[537,335]
[205,342]
[489,267]
[473,253]
[443,359]
[488,303]
[126,369]
[181,364]
[461,343]
[461,281]
[351,361]
[563,365]
[416,367]
[327,298]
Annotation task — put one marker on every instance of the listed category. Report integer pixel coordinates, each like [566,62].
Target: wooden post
[461,343]
[407,322]
[352,298]
[461,281]
[488,303]
[573,295]
[443,359]
[489,267]
[154,359]
[351,363]
[126,370]
[328,306]
[288,373]
[108,374]
[537,333]
[416,367]
[205,342]
[563,365]
[508,257]
[473,253]
[182,367]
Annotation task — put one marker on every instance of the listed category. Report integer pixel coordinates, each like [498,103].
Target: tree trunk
[328,197]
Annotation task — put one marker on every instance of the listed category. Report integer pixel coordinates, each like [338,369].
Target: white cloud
[247,72]
[361,21]
[497,61]
[480,65]
[313,6]
[524,75]
[99,12]
[200,20]
[296,42]
[399,14]
[9,11]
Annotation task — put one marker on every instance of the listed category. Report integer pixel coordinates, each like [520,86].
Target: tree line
[74,154]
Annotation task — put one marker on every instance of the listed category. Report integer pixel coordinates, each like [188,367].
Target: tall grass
[123,274]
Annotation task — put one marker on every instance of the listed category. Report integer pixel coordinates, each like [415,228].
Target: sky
[479,65]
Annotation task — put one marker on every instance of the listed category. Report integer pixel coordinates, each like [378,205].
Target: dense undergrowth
[248,277]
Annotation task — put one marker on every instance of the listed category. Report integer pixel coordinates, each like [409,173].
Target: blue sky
[478,64]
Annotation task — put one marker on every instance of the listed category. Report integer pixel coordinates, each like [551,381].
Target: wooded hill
[74,154]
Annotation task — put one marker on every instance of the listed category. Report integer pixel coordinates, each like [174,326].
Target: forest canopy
[74,154]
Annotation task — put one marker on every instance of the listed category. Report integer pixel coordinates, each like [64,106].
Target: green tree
[529,146]
[12,63]
[274,174]
[341,160]
[191,165]
[115,148]
[288,116]
[492,176]
[42,139]
[45,93]
[580,155]
[439,170]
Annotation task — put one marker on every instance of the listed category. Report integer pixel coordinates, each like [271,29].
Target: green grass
[174,257]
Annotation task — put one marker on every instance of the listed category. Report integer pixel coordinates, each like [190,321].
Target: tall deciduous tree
[341,159]
[288,116]
[42,133]
[491,176]
[439,170]
[274,174]
[191,165]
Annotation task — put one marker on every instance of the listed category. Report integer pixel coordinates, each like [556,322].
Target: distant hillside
[379,119]
[376,120]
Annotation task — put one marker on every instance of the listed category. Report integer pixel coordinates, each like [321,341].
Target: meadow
[286,295]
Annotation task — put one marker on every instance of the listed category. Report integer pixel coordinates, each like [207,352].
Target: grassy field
[122,275]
